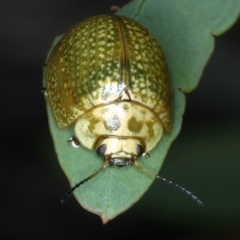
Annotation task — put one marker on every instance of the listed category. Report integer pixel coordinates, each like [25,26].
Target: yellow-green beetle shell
[100,59]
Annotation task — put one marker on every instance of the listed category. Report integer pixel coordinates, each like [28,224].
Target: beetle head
[120,152]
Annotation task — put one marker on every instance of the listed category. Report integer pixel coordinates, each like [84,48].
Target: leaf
[185,30]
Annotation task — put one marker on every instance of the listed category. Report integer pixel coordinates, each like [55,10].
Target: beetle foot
[146,155]
[115,8]
[74,142]
[44,91]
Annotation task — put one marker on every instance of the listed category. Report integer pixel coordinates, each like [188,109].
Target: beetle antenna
[190,194]
[70,192]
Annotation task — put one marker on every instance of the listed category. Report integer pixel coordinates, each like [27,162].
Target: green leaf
[185,30]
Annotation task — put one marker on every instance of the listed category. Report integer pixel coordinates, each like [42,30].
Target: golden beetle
[109,77]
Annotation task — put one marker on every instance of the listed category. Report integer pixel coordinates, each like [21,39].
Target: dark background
[205,157]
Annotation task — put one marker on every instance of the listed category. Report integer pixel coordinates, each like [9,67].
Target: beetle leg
[74,142]
[146,155]
[44,91]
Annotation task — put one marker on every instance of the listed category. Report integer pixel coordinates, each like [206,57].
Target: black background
[204,158]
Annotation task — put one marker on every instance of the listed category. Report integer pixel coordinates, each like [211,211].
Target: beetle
[109,78]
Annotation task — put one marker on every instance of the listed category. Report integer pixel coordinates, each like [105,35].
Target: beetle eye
[140,150]
[101,150]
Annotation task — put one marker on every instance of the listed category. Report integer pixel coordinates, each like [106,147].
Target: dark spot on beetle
[150,134]
[93,122]
[134,125]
